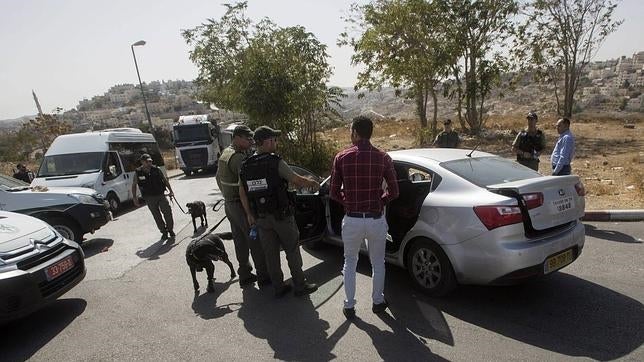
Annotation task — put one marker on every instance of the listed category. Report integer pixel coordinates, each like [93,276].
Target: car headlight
[84,199]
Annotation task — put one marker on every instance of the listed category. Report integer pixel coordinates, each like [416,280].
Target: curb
[614,215]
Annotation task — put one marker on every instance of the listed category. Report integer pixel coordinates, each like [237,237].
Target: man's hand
[171,194]
[251,219]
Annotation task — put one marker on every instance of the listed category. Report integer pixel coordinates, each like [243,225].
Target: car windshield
[484,171]
[191,133]
[71,164]
[9,183]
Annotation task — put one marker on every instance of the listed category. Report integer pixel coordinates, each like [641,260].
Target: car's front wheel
[429,268]
[68,229]
[114,203]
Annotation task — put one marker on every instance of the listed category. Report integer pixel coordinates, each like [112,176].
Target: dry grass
[605,150]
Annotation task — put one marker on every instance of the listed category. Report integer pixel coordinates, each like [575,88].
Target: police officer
[448,138]
[23,173]
[529,143]
[228,168]
[153,183]
[264,194]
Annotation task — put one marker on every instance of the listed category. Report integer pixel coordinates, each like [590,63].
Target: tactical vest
[151,184]
[228,179]
[267,192]
[530,143]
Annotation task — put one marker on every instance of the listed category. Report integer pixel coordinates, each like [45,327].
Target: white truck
[101,160]
[196,142]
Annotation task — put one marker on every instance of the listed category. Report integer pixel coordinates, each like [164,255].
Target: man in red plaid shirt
[361,169]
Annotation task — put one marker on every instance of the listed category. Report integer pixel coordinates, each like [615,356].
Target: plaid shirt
[361,169]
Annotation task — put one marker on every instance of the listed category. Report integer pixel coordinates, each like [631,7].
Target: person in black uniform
[529,143]
[153,184]
[448,138]
[23,173]
[264,178]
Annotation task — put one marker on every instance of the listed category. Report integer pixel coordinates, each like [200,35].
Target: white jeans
[354,232]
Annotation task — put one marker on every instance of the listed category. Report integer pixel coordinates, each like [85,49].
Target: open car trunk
[546,202]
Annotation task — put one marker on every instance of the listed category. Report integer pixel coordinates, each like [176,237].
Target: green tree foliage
[559,39]
[474,30]
[277,76]
[35,134]
[399,42]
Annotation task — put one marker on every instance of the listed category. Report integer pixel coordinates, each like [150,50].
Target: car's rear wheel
[67,228]
[429,268]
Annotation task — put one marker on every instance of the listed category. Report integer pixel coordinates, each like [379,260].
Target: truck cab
[196,142]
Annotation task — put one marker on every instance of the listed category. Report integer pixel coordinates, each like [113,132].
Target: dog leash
[174,198]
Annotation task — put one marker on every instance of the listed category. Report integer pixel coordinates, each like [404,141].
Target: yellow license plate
[557,261]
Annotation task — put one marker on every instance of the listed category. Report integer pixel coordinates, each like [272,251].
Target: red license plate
[56,270]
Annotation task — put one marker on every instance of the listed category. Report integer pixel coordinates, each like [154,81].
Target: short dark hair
[363,126]
[566,121]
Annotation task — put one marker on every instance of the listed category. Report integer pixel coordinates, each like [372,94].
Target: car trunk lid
[548,201]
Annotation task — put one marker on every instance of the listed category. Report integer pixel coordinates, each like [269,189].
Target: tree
[400,44]
[559,39]
[277,76]
[473,28]
[45,128]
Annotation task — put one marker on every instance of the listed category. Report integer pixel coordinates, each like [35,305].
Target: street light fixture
[147,113]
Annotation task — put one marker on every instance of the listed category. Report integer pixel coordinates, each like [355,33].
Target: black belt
[364,215]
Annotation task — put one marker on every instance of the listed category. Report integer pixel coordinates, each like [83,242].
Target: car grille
[41,257]
[23,253]
[49,287]
[196,157]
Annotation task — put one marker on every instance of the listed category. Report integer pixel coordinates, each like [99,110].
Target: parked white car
[466,217]
[37,265]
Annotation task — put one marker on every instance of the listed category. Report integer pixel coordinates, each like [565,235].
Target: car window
[7,183]
[484,171]
[416,175]
[304,173]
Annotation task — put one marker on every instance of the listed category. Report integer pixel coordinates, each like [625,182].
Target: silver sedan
[465,217]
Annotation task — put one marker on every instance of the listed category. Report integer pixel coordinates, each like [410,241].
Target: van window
[130,153]
[112,168]
[71,164]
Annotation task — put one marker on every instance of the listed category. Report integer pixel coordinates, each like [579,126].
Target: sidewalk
[614,215]
[591,215]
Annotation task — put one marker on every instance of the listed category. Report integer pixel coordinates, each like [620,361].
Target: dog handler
[228,168]
[264,178]
[153,183]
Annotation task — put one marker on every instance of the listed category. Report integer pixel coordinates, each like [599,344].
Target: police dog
[197,209]
[201,253]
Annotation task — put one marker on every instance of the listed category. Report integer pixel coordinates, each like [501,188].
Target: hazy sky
[68,50]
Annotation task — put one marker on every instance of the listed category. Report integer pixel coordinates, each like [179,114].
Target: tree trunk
[435,119]
[421,106]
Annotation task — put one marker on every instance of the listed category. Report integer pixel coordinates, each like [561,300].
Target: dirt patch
[609,157]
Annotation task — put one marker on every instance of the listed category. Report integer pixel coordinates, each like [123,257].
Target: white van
[102,160]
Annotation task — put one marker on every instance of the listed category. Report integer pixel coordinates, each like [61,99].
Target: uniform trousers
[354,232]
[158,205]
[273,234]
[243,243]
[565,170]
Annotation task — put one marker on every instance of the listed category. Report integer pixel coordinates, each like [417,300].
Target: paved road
[137,303]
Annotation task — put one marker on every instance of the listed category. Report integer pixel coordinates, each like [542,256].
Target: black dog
[197,209]
[201,253]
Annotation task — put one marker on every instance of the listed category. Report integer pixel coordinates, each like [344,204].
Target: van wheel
[114,202]
[429,268]
[67,228]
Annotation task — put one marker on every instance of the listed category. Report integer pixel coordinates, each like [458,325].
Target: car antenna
[473,149]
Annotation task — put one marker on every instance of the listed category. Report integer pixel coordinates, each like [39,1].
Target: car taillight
[581,190]
[496,216]
[533,200]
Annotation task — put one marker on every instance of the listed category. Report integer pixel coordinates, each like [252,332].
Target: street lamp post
[147,113]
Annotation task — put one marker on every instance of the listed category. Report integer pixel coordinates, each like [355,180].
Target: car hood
[561,203]
[17,231]
[68,180]
[57,190]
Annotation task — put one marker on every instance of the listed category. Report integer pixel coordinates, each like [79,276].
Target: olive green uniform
[227,177]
